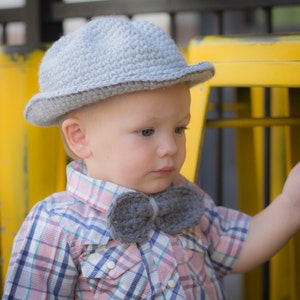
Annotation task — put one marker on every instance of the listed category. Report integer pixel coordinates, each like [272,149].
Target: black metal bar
[33,22]
[60,11]
[173,30]
[220,148]
[266,200]
[294,107]
[252,122]
[220,22]
[267,161]
[12,14]
[4,33]
[51,30]
[219,133]
[39,21]
[268,19]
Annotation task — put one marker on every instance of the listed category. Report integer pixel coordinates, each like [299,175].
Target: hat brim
[46,109]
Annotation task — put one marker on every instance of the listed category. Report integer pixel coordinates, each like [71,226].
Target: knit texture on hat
[107,57]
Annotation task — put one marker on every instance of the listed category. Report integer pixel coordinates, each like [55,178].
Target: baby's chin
[153,189]
[149,185]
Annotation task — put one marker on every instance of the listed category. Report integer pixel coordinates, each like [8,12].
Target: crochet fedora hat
[107,57]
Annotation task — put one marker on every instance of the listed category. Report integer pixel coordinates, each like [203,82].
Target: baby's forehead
[147,103]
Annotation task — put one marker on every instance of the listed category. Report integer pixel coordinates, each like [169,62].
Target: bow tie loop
[132,215]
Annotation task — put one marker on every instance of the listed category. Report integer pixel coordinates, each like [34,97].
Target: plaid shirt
[64,250]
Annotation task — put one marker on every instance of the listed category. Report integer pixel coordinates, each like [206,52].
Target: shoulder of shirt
[56,200]
[57,204]
[74,217]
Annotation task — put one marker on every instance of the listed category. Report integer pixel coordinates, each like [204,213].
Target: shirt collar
[98,194]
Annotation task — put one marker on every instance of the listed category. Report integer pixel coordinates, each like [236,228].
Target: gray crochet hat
[107,57]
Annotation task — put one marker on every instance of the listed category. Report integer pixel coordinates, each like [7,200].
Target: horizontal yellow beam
[251,122]
[246,48]
[256,73]
[272,60]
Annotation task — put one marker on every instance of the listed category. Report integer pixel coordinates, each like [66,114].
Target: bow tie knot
[132,215]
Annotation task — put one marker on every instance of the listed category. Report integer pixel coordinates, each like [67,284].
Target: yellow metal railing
[255,63]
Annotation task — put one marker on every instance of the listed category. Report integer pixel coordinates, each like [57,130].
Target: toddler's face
[138,140]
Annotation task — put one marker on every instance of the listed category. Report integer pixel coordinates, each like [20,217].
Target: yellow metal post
[194,134]
[31,159]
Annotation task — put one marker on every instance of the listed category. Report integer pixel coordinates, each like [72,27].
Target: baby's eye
[180,130]
[146,132]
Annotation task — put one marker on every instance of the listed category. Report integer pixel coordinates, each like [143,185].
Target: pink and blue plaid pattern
[64,251]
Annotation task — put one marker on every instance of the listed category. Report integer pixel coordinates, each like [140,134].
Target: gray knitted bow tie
[133,214]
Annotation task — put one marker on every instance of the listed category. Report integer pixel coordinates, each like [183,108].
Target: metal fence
[43,18]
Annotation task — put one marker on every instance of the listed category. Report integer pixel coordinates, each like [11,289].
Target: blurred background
[237,166]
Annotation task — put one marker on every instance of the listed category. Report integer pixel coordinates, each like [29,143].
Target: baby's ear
[75,137]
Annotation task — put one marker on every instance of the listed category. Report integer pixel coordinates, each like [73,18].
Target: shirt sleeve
[226,231]
[41,266]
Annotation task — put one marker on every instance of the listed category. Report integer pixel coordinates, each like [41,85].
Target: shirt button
[111,265]
[171,283]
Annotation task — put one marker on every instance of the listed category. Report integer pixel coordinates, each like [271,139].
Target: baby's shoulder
[54,204]
[66,214]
